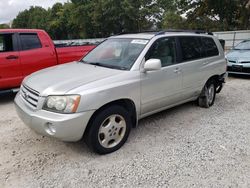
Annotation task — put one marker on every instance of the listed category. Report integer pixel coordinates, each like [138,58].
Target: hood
[63,78]
[237,54]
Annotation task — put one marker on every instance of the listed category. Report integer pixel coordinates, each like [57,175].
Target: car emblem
[26,95]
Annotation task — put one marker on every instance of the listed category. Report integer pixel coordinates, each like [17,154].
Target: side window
[209,47]
[29,41]
[6,43]
[165,50]
[191,48]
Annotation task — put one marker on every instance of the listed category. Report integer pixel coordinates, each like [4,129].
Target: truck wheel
[109,130]
[207,96]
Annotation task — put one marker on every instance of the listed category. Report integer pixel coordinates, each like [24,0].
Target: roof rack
[157,32]
[186,31]
[143,31]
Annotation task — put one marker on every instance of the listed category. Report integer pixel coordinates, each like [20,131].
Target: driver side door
[161,88]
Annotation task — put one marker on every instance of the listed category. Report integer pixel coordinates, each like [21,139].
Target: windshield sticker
[139,41]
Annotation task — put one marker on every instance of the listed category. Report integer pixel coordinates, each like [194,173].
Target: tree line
[102,18]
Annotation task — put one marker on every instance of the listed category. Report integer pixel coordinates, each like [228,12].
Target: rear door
[35,54]
[212,61]
[192,65]
[10,71]
[161,88]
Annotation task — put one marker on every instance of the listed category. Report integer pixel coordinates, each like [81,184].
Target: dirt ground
[186,146]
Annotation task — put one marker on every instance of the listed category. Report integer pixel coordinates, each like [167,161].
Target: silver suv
[124,79]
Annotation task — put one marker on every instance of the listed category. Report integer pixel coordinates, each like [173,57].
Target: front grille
[246,69]
[29,95]
[229,68]
[242,70]
[245,62]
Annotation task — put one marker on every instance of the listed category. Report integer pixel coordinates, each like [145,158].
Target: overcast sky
[10,8]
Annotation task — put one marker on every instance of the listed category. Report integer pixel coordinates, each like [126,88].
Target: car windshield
[245,45]
[116,53]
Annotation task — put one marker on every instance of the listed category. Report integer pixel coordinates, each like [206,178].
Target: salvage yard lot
[186,146]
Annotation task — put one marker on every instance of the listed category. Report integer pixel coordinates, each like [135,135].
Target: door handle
[12,57]
[177,70]
[205,63]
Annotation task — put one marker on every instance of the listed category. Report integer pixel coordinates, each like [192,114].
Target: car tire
[109,130]
[207,97]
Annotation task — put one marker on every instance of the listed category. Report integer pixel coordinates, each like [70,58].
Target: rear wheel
[207,96]
[109,130]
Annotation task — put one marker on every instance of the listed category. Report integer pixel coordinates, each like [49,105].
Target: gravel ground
[186,146]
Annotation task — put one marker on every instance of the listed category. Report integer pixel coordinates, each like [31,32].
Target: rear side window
[191,48]
[29,41]
[209,47]
[6,43]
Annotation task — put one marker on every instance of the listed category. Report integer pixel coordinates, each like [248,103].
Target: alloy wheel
[112,131]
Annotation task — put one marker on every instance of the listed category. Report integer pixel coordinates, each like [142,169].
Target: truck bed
[71,53]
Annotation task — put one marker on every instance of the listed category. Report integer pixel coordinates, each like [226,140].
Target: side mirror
[152,65]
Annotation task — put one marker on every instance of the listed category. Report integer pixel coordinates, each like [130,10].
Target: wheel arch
[219,80]
[215,79]
[128,104]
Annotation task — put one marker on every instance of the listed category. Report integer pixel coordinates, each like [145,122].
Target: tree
[172,20]
[82,16]
[21,20]
[35,17]
[56,27]
[216,15]
[4,26]
[95,18]
[102,18]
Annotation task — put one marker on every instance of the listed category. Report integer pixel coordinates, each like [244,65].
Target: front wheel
[109,130]
[207,96]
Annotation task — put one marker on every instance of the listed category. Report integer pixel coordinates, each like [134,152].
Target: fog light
[50,129]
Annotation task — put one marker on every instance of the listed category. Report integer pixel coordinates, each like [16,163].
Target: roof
[137,36]
[150,35]
[20,30]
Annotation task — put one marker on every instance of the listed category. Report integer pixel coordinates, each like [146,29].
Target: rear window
[209,47]
[29,41]
[191,48]
[6,43]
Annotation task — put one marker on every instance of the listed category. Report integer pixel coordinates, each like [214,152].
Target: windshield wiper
[108,66]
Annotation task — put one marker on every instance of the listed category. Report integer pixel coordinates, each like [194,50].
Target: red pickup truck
[24,51]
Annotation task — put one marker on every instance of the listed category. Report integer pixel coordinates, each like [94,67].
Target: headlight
[62,104]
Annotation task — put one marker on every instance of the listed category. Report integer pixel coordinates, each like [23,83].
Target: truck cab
[24,51]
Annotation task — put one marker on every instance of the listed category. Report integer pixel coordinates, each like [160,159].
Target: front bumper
[238,68]
[66,127]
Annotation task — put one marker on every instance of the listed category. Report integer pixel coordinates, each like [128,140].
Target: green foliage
[4,26]
[173,20]
[35,17]
[216,15]
[102,18]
